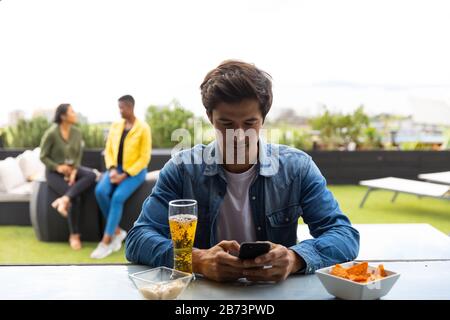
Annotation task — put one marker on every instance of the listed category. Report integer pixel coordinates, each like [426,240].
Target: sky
[390,56]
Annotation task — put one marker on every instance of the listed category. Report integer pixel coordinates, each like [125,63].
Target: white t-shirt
[235,221]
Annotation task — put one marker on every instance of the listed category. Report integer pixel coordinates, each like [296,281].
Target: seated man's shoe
[102,251]
[117,240]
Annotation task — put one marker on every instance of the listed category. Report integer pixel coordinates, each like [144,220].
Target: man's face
[126,109]
[237,129]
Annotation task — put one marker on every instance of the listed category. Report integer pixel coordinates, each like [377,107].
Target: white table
[438,177]
[418,280]
[420,253]
[397,242]
[419,188]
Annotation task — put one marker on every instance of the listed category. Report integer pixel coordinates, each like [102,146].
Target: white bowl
[351,290]
[161,283]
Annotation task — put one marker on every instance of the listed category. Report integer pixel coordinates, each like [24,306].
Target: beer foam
[183,218]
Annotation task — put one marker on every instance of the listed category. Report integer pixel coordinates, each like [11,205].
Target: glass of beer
[183,223]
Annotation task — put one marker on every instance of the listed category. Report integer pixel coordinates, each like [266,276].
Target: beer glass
[183,223]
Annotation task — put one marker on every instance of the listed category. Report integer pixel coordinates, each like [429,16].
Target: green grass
[18,245]
[379,209]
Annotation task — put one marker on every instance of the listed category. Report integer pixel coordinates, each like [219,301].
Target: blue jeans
[111,197]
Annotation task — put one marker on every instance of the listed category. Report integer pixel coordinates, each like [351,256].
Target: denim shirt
[289,186]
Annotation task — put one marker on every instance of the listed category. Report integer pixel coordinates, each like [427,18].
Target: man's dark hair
[127,98]
[233,81]
[60,111]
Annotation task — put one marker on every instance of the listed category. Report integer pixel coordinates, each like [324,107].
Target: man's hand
[118,178]
[113,173]
[115,177]
[282,260]
[217,263]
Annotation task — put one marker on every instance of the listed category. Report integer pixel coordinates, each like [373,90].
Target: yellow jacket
[137,147]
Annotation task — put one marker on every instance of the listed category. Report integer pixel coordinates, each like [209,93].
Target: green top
[55,150]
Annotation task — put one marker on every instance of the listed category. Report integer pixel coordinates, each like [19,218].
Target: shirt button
[253,198]
[259,228]
[287,219]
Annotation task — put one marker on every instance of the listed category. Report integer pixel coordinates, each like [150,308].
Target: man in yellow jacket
[127,155]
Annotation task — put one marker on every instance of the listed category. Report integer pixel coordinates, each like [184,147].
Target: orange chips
[359,272]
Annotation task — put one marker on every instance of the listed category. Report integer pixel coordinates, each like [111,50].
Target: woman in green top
[61,152]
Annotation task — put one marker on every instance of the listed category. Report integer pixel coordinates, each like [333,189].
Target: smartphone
[251,250]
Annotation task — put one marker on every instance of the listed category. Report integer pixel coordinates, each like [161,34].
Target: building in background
[46,113]
[404,132]
[290,116]
[14,117]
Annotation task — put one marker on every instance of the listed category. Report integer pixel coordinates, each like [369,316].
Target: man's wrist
[196,260]
[297,263]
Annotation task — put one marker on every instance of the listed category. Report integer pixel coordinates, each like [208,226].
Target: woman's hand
[72,177]
[64,169]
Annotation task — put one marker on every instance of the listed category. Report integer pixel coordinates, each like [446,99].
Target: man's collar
[268,159]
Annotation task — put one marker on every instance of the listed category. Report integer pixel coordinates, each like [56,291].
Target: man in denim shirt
[247,190]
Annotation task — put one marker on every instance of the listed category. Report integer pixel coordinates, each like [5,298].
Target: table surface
[397,242]
[418,280]
[439,177]
[420,253]
[409,186]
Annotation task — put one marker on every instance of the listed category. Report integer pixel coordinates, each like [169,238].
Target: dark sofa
[50,226]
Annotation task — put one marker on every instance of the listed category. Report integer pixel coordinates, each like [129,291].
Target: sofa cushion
[31,165]
[14,197]
[11,175]
[152,175]
[21,193]
[25,188]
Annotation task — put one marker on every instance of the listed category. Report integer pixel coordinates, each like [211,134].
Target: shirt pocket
[282,225]
[284,217]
